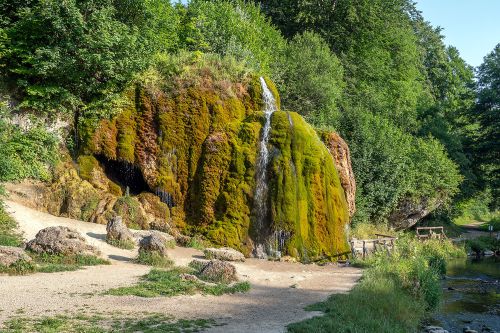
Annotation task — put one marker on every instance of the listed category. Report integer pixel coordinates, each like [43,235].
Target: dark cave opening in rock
[125,174]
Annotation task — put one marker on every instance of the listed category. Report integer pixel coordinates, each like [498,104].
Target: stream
[471,296]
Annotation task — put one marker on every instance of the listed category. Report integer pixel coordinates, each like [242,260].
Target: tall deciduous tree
[487,112]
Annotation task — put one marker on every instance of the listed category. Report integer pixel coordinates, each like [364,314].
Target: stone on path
[155,242]
[218,271]
[60,240]
[117,230]
[10,255]
[224,253]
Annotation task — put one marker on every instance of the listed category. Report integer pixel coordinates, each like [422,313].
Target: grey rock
[218,271]
[9,255]
[60,240]
[224,253]
[117,230]
[146,233]
[434,329]
[155,242]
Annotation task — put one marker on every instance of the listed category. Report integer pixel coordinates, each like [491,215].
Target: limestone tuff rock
[10,255]
[218,271]
[197,149]
[342,157]
[153,243]
[224,254]
[410,211]
[60,240]
[117,230]
[166,238]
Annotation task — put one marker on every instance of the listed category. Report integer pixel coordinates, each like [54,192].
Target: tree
[487,112]
[67,55]
[313,79]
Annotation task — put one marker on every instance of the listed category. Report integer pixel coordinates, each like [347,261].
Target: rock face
[153,243]
[342,157]
[224,254]
[10,255]
[409,212]
[197,151]
[218,271]
[60,240]
[117,230]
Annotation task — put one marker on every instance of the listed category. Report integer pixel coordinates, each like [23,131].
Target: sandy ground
[271,304]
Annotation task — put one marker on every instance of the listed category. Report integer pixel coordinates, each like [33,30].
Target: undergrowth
[170,283]
[400,288]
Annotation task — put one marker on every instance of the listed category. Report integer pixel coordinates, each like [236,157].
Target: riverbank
[397,291]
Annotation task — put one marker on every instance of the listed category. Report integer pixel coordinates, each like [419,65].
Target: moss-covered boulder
[196,146]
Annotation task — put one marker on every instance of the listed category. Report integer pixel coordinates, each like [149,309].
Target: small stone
[434,329]
[10,255]
[224,253]
[489,253]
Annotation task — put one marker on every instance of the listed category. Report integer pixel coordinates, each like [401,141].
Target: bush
[26,153]
[8,234]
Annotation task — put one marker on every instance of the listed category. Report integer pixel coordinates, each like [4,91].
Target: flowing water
[471,295]
[261,189]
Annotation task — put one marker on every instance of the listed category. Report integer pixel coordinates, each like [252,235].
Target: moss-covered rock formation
[196,144]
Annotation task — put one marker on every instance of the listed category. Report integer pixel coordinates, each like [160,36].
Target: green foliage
[236,29]
[391,165]
[170,283]
[150,323]
[400,288]
[65,56]
[483,243]
[26,153]
[313,79]
[487,112]
[8,234]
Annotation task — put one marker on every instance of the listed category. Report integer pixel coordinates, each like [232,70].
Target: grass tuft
[122,244]
[153,259]
[170,283]
[154,323]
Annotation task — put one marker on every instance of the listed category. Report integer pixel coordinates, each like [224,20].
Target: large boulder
[218,271]
[342,157]
[155,242]
[10,255]
[60,240]
[117,230]
[224,254]
[410,211]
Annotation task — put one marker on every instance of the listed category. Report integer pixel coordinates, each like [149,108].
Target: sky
[472,26]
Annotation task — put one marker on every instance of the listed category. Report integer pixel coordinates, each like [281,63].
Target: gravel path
[271,304]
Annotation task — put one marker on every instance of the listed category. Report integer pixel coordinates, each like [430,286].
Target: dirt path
[268,307]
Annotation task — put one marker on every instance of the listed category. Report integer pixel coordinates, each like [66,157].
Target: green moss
[131,212]
[200,145]
[307,199]
[87,164]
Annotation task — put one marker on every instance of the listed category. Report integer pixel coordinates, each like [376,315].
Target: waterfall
[261,189]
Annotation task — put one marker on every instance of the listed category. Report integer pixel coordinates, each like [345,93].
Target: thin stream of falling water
[261,189]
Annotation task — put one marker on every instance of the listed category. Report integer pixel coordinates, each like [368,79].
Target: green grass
[8,234]
[395,294]
[169,283]
[153,259]
[154,323]
[59,263]
[495,222]
[47,263]
[122,244]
